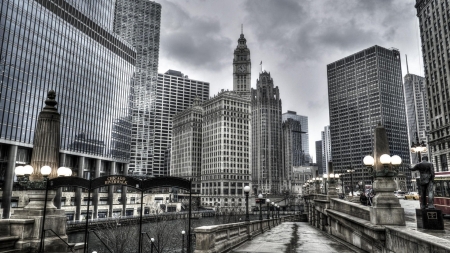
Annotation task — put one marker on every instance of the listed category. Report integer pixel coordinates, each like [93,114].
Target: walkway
[293,237]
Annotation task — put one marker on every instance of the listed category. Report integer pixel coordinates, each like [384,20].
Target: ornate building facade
[267,159]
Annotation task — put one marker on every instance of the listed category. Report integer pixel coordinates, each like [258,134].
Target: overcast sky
[295,40]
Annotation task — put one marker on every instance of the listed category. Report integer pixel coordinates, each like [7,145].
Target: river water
[167,235]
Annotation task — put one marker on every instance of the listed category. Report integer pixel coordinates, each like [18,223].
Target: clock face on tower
[241,68]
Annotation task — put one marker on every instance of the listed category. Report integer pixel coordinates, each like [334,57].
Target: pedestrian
[363,198]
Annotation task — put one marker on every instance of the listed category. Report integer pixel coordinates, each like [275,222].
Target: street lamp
[369,162]
[182,241]
[268,209]
[152,242]
[351,179]
[273,207]
[246,191]
[418,147]
[260,199]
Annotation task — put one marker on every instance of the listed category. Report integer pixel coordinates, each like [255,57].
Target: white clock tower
[242,66]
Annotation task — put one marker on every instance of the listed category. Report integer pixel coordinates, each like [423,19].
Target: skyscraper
[416,110]
[305,136]
[68,47]
[175,92]
[292,150]
[319,162]
[138,22]
[186,153]
[223,143]
[266,136]
[326,148]
[433,20]
[365,89]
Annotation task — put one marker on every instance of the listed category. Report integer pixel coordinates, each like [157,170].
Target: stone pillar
[81,161]
[386,209]
[112,171]
[332,191]
[124,192]
[98,164]
[46,139]
[9,181]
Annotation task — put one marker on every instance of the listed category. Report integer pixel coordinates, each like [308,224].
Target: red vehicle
[442,191]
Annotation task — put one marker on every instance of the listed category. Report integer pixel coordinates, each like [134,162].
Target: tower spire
[242,28]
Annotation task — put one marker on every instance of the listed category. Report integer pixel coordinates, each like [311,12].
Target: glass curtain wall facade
[417,110]
[365,89]
[138,22]
[52,45]
[67,46]
[175,92]
[305,136]
[267,159]
[434,19]
[292,150]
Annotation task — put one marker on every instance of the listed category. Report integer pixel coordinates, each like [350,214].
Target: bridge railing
[222,238]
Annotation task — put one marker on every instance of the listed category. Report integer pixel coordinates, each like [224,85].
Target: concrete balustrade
[222,238]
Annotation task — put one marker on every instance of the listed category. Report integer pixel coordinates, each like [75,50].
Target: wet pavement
[293,237]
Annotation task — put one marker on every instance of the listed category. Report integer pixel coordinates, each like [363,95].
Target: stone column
[124,192]
[81,161]
[9,181]
[386,209]
[332,192]
[98,164]
[112,171]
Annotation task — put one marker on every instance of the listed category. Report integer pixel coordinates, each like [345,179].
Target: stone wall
[350,222]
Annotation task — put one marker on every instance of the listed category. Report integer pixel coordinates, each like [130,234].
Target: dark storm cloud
[192,40]
[307,29]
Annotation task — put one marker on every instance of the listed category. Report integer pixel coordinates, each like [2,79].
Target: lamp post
[273,207]
[268,209]
[418,147]
[260,199]
[246,191]
[152,242]
[369,162]
[351,179]
[182,241]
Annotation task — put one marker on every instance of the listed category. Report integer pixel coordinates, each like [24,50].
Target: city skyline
[198,37]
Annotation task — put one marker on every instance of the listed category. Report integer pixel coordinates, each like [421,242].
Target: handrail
[95,233]
[51,230]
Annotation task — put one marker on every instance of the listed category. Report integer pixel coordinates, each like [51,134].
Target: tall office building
[292,151]
[138,22]
[175,92]
[319,162]
[365,89]
[416,110]
[305,136]
[326,148]
[186,153]
[63,46]
[433,20]
[267,171]
[223,143]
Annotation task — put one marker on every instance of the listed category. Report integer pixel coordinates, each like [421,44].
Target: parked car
[412,195]
[400,194]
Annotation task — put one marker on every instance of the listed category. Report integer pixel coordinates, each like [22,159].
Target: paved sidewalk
[293,237]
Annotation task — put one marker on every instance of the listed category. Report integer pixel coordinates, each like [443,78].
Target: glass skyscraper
[365,89]
[138,22]
[305,136]
[67,46]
